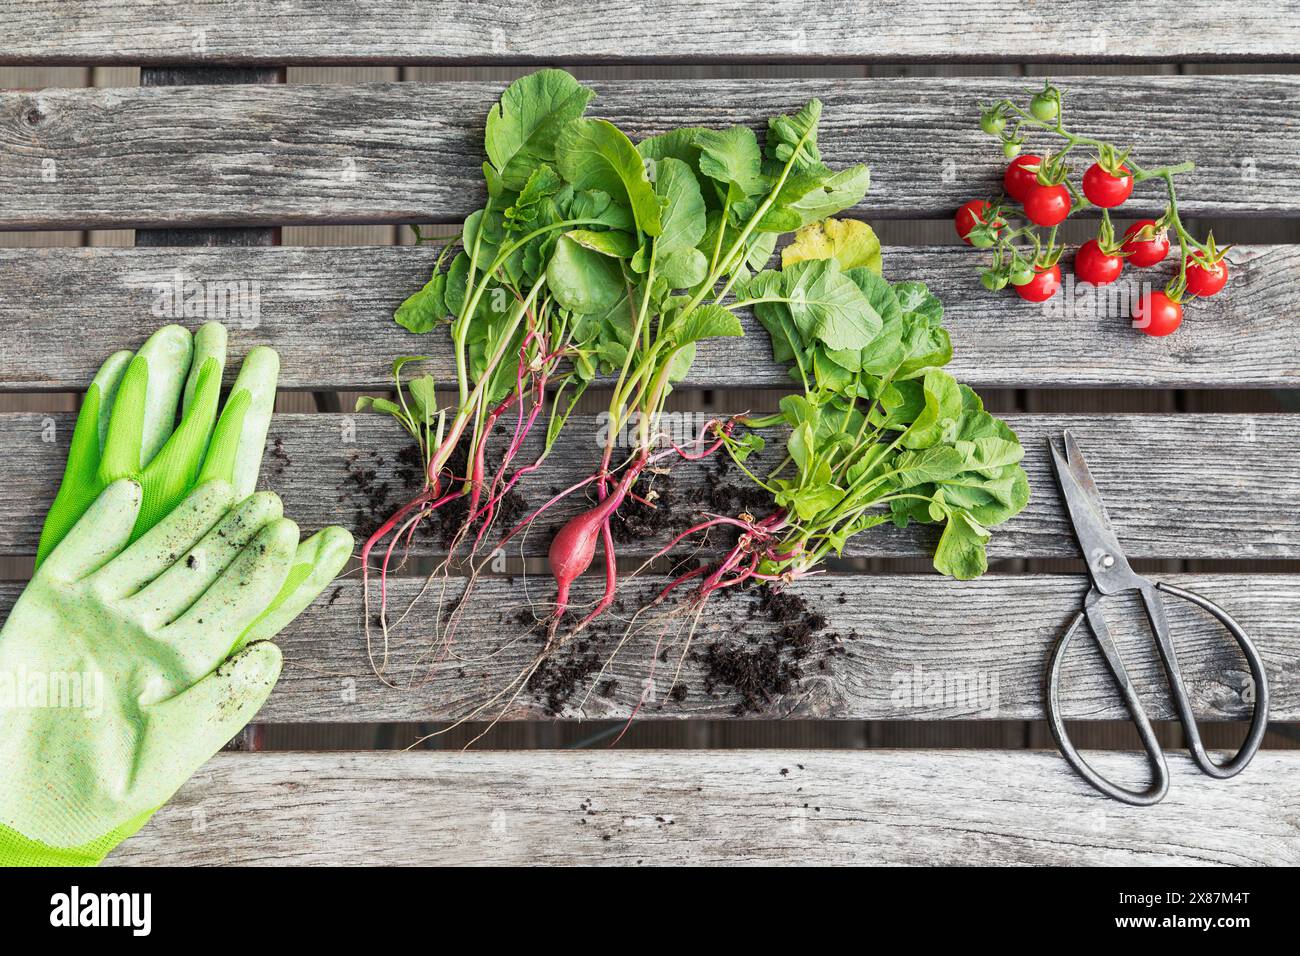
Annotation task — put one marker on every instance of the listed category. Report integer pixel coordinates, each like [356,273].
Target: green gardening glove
[142,643]
[125,427]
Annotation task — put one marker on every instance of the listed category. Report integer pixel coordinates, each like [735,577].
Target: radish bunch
[593,255]
[878,433]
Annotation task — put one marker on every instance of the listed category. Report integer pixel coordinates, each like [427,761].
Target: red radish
[573,550]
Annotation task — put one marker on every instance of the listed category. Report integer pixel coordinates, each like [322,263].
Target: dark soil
[650,512]
[280,458]
[379,499]
[763,673]
[727,491]
[563,673]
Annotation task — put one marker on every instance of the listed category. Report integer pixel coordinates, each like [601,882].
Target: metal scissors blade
[1101,549]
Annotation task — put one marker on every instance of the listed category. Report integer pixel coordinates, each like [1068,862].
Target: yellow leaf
[850,242]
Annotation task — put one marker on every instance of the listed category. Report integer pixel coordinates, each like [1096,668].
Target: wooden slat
[329,314]
[677,31]
[1180,486]
[410,152]
[893,647]
[719,807]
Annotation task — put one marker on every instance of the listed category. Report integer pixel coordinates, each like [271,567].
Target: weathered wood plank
[411,152]
[329,314]
[1222,483]
[716,807]
[675,31]
[894,647]
[891,647]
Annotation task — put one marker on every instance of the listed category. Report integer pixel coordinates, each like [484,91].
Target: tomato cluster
[1038,191]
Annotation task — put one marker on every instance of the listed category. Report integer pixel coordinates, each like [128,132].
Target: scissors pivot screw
[1108,560]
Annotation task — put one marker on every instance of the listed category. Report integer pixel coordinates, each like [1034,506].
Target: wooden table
[210,156]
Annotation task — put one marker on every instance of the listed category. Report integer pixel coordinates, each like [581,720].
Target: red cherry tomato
[1145,252]
[1047,205]
[1093,265]
[969,216]
[1205,279]
[1157,314]
[1017,180]
[1105,190]
[1042,286]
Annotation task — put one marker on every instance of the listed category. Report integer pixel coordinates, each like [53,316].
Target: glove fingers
[165,598]
[318,560]
[157,549]
[174,471]
[144,409]
[208,715]
[99,536]
[239,441]
[108,379]
[206,633]
[209,342]
[80,484]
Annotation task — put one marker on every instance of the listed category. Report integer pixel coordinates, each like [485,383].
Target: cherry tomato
[1093,265]
[993,123]
[968,217]
[1044,106]
[1105,190]
[1205,279]
[1017,180]
[1157,314]
[1145,252]
[1042,286]
[1047,205]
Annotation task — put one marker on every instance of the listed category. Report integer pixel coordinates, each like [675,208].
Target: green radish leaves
[880,432]
[732,159]
[422,311]
[523,128]
[594,154]
[582,279]
[706,322]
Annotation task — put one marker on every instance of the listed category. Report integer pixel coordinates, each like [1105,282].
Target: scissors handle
[1155,756]
[1259,716]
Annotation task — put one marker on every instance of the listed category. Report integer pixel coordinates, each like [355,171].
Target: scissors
[1111,574]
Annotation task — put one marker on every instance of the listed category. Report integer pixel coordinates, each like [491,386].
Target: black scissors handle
[1178,691]
[1155,756]
[1259,716]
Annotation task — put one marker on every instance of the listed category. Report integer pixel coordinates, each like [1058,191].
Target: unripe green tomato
[993,123]
[1044,107]
[993,280]
[1021,274]
[1010,149]
[981,238]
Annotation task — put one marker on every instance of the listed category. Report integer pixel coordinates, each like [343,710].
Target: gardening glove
[125,427]
[142,643]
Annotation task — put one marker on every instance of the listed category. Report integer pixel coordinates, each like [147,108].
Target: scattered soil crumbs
[563,673]
[379,498]
[727,491]
[647,511]
[363,482]
[280,457]
[762,674]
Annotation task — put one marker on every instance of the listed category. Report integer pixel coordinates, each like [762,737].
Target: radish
[596,255]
